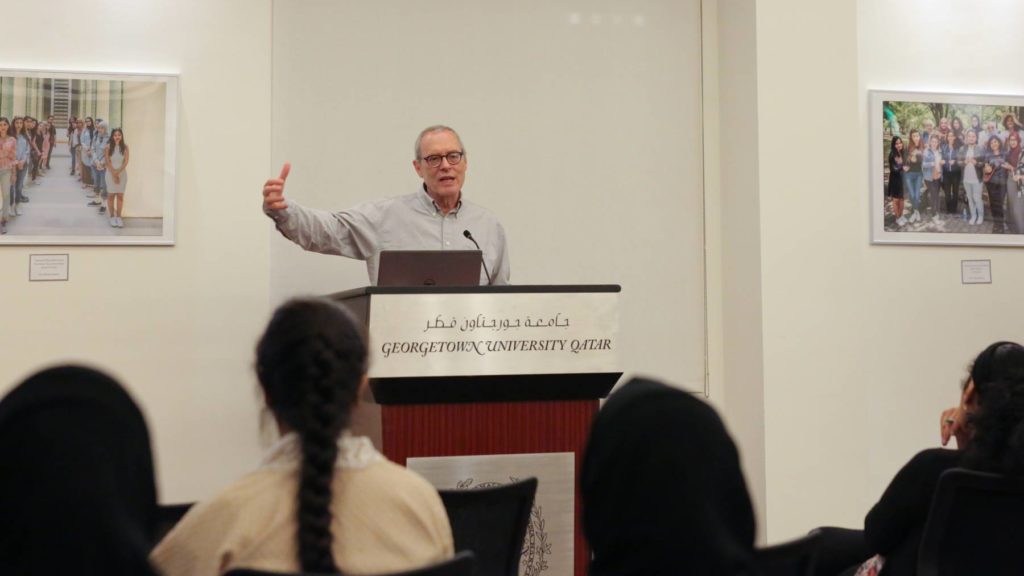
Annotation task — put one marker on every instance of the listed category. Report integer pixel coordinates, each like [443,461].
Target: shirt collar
[432,207]
[353,452]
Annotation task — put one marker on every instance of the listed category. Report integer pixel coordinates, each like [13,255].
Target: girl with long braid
[323,500]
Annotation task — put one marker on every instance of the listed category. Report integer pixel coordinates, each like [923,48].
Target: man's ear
[418,168]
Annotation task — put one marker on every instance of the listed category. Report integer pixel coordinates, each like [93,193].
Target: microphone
[468,235]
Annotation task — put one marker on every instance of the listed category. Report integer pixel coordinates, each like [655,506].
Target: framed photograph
[946,169]
[87,158]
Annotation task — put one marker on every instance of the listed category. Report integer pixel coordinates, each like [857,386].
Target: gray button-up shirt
[410,222]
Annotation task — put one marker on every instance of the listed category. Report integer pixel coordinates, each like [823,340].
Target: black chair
[794,558]
[461,565]
[975,526]
[492,523]
[167,516]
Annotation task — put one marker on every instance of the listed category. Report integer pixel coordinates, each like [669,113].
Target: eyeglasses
[434,160]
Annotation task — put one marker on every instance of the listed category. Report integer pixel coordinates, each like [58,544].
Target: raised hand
[273,190]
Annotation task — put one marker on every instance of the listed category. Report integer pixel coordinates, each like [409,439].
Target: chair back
[167,516]
[492,523]
[975,526]
[462,564]
[794,558]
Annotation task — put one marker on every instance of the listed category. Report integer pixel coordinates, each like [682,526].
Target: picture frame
[76,188]
[950,205]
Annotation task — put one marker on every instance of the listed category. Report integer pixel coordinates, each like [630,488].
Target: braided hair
[310,362]
[997,443]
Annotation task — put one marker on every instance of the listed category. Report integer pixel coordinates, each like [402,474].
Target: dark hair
[310,362]
[988,144]
[110,146]
[893,152]
[910,146]
[91,129]
[78,477]
[14,130]
[997,443]
[10,127]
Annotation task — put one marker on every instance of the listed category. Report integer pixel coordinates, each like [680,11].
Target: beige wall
[818,312]
[582,123]
[733,239]
[862,345]
[176,324]
[829,357]
[941,332]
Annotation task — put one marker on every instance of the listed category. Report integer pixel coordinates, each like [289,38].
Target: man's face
[944,124]
[445,180]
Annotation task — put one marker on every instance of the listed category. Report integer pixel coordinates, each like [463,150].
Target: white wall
[177,325]
[863,345]
[734,242]
[953,322]
[582,124]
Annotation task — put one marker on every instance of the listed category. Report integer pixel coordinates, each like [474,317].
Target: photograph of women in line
[86,158]
[947,169]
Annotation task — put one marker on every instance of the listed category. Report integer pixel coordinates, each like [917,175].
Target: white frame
[169,163]
[879,235]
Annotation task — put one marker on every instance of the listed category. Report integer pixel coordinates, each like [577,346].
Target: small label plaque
[48,267]
[976,271]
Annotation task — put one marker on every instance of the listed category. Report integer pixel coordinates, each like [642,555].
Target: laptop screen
[429,268]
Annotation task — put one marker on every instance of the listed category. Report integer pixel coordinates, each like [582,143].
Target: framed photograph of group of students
[946,169]
[87,158]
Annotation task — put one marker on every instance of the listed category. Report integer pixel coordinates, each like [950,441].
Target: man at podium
[435,217]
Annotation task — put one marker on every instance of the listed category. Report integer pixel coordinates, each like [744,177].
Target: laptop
[429,268]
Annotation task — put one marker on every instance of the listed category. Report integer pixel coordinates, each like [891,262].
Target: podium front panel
[493,334]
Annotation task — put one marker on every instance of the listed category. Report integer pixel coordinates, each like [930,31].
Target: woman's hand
[953,424]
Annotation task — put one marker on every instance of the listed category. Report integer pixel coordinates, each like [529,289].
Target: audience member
[988,426]
[323,499]
[77,494]
[662,489]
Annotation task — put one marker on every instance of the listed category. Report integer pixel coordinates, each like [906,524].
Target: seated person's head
[994,400]
[662,488]
[311,364]
[77,494]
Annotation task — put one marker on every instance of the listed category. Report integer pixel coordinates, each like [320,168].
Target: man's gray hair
[436,128]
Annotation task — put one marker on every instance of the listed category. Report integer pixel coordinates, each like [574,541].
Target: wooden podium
[488,371]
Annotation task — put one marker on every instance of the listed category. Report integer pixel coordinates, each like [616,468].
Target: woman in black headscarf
[663,493]
[77,494]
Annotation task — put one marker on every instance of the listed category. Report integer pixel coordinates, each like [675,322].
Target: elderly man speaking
[435,217]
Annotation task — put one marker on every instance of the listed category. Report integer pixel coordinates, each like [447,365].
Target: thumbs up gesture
[273,190]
